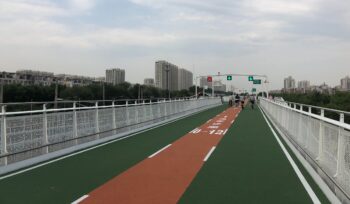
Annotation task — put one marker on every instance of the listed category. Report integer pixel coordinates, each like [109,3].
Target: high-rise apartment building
[148,82]
[166,75]
[303,84]
[345,84]
[115,76]
[289,83]
[185,79]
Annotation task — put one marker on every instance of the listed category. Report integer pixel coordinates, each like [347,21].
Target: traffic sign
[257,81]
[250,78]
[253,89]
[229,78]
[209,79]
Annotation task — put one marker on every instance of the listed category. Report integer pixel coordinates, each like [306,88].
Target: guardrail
[323,140]
[28,134]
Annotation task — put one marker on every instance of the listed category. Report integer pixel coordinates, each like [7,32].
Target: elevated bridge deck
[249,165]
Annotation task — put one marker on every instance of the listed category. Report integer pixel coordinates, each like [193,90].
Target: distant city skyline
[277,38]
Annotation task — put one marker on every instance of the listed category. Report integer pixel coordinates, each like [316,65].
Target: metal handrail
[317,107]
[88,101]
[340,123]
[96,106]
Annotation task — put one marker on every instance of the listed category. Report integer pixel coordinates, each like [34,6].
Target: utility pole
[103,93]
[56,95]
[139,93]
[2,92]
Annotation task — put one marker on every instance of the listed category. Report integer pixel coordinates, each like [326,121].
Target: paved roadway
[247,166]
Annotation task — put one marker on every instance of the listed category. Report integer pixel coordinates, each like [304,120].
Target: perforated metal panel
[327,144]
[52,131]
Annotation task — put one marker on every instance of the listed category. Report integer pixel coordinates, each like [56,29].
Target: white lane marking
[88,149]
[232,121]
[209,153]
[236,115]
[225,132]
[209,120]
[159,151]
[306,185]
[80,199]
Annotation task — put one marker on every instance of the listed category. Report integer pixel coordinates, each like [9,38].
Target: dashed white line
[209,153]
[159,151]
[232,121]
[209,120]
[225,132]
[80,199]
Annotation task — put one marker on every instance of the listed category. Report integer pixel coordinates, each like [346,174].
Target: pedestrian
[237,100]
[242,101]
[252,101]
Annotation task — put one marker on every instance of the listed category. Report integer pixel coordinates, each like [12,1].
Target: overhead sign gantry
[229,77]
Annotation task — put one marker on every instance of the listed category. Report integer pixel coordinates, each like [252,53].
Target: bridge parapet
[26,135]
[321,135]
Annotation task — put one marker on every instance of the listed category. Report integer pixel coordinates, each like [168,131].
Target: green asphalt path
[67,180]
[248,166]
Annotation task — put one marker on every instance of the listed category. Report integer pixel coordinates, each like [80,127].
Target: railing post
[114,125]
[144,110]
[340,148]
[320,139]
[158,109]
[3,131]
[137,113]
[75,123]
[45,136]
[150,110]
[166,108]
[308,126]
[97,120]
[127,113]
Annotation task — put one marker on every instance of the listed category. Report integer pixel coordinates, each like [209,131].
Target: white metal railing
[326,141]
[27,134]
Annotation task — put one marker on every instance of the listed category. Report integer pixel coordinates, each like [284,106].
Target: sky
[307,39]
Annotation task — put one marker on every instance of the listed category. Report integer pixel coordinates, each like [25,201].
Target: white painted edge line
[159,151]
[306,185]
[209,153]
[94,147]
[209,120]
[232,121]
[80,199]
[225,132]
[315,176]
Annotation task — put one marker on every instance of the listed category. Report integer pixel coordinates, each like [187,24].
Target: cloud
[82,5]
[29,8]
[284,7]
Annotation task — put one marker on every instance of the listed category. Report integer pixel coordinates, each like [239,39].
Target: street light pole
[167,79]
[212,88]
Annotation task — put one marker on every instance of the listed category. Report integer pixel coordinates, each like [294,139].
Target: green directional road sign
[253,89]
[257,81]
[250,78]
[229,78]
